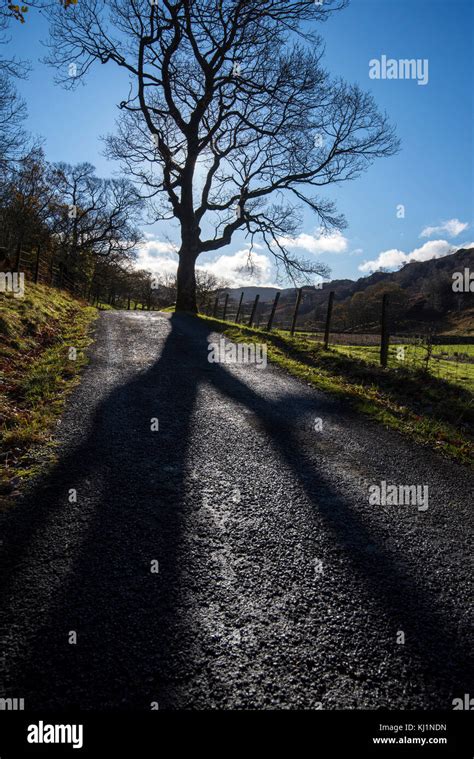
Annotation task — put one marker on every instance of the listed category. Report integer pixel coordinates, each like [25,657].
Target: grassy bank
[433,411]
[37,371]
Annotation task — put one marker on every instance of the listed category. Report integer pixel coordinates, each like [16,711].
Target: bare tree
[13,137]
[207,286]
[164,286]
[11,13]
[231,122]
[27,198]
[95,216]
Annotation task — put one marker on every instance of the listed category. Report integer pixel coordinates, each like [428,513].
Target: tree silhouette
[231,123]
[95,215]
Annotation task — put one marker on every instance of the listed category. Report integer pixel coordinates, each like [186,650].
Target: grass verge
[429,410]
[37,372]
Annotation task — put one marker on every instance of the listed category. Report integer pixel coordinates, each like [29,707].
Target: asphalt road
[279,585]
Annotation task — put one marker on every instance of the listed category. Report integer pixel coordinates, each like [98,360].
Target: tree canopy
[231,123]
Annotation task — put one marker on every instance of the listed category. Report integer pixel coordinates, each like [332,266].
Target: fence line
[45,268]
[411,350]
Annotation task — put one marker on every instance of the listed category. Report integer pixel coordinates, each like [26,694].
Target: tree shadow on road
[136,641]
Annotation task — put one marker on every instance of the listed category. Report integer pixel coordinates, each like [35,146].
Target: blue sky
[432,177]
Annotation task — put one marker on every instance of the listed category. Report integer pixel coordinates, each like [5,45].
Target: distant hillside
[413,276]
[267,294]
[422,290]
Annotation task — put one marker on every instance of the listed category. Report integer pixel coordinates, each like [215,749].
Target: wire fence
[43,267]
[449,357]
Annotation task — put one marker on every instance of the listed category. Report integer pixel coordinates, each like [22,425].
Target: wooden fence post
[214,313]
[254,308]
[297,308]
[328,320]
[225,306]
[384,336]
[272,315]
[18,256]
[240,306]
[38,254]
[51,270]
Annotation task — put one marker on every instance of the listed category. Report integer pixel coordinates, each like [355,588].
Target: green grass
[433,411]
[448,362]
[105,307]
[37,372]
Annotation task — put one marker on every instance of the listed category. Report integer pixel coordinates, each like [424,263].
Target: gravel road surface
[279,585]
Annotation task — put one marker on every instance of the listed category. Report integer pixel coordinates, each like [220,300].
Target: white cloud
[452,228]
[157,256]
[391,259]
[161,258]
[388,259]
[335,242]
[233,268]
[156,248]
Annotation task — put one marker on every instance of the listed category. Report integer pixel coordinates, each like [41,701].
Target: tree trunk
[186,282]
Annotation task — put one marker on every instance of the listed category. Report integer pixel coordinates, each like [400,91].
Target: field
[454,363]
